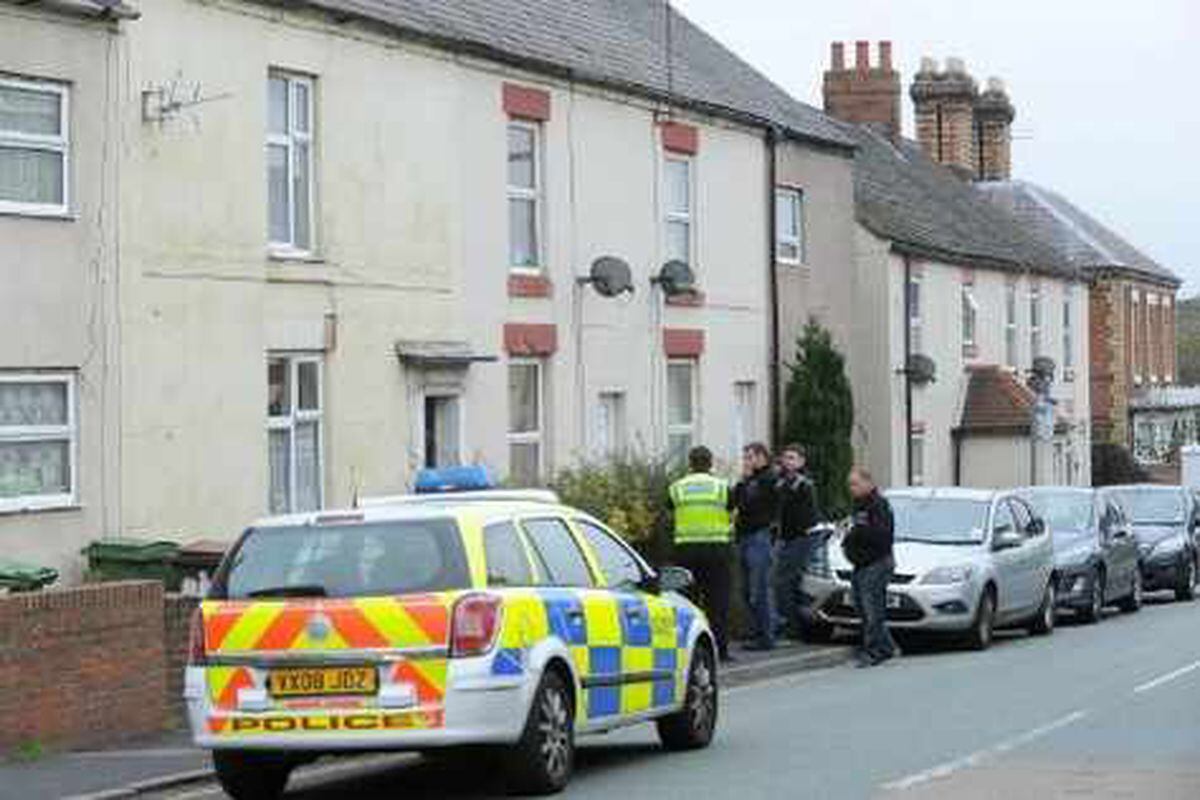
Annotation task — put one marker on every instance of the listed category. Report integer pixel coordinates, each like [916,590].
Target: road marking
[979,756]
[1170,676]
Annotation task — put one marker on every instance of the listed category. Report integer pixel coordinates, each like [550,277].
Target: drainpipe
[908,392]
[773,288]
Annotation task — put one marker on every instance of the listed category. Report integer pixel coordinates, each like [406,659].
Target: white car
[967,561]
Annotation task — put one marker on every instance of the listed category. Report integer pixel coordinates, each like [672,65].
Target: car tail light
[197,652]
[474,625]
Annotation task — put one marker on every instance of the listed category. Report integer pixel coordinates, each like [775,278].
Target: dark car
[1165,521]
[1095,553]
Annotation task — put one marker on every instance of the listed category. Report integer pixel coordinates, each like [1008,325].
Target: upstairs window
[290,162]
[1035,321]
[677,221]
[970,315]
[524,194]
[915,325]
[1068,332]
[1010,325]
[33,147]
[789,226]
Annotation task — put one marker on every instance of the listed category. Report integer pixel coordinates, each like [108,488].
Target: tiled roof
[1165,398]
[97,8]
[997,402]
[619,43]
[1080,239]
[902,195]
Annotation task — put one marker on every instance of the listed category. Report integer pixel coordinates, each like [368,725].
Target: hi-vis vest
[701,515]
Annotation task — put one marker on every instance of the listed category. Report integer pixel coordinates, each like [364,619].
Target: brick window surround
[694,299]
[524,102]
[680,138]
[683,342]
[530,339]
[521,285]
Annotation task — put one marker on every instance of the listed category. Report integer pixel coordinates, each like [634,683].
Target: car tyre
[980,635]
[252,775]
[1043,623]
[541,762]
[692,727]
[1132,602]
[1095,607]
[1186,590]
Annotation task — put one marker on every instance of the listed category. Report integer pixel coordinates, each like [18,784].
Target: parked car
[1095,554]
[967,561]
[1166,521]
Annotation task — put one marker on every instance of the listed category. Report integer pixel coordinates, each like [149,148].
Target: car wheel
[1043,623]
[1095,607]
[1186,590]
[692,727]
[251,775]
[1133,601]
[542,760]
[980,635]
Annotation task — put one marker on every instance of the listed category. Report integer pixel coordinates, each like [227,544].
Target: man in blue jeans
[868,546]
[799,515]
[754,500]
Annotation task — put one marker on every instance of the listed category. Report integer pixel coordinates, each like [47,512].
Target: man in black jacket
[754,500]
[868,546]
[798,515]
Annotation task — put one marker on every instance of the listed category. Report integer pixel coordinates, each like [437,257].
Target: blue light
[443,480]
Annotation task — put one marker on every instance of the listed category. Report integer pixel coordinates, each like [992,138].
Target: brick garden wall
[82,667]
[177,616]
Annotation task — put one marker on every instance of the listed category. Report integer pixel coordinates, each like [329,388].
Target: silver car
[967,561]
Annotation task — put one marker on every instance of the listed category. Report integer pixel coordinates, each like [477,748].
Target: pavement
[167,764]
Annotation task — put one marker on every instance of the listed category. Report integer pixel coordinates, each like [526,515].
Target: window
[507,564]
[289,162]
[914,314]
[1135,339]
[789,226]
[558,555]
[970,314]
[619,565]
[1003,521]
[918,458]
[34,147]
[37,440]
[524,192]
[1010,325]
[681,409]
[525,416]
[1035,321]
[745,424]
[443,427]
[1068,333]
[610,424]
[677,188]
[294,433]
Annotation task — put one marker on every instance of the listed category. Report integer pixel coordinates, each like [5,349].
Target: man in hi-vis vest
[703,533]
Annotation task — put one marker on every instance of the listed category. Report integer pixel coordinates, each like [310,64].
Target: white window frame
[289,140]
[456,397]
[1012,335]
[615,443]
[685,217]
[916,323]
[1068,333]
[538,436]
[1035,321]
[746,389]
[526,193]
[46,433]
[1135,317]
[30,141]
[297,417]
[1154,344]
[692,427]
[795,196]
[918,466]
[969,310]
[1168,326]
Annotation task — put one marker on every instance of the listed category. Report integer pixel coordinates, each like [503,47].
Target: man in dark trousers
[754,499]
[799,513]
[702,535]
[868,546]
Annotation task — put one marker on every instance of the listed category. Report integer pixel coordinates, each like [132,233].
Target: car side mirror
[1007,540]
[1037,526]
[674,579]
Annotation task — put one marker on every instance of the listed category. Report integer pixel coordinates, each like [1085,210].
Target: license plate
[893,600]
[309,681]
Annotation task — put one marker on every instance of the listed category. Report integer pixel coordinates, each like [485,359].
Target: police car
[485,618]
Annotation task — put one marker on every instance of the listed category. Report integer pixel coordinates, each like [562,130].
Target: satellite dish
[611,276]
[921,369]
[676,278]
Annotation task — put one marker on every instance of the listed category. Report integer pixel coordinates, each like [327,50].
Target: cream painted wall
[57,275]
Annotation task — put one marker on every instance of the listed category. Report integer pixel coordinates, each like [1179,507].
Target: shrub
[1112,464]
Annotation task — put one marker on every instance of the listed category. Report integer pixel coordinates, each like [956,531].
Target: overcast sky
[1107,92]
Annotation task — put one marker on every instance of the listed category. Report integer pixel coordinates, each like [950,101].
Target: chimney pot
[837,56]
[862,55]
[956,66]
[995,84]
[929,65]
[885,56]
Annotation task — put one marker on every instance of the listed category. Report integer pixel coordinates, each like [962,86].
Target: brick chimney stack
[944,102]
[866,93]
[994,114]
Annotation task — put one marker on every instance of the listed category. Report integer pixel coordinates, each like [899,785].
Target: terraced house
[351,239]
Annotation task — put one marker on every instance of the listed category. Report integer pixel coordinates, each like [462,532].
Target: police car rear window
[376,558]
